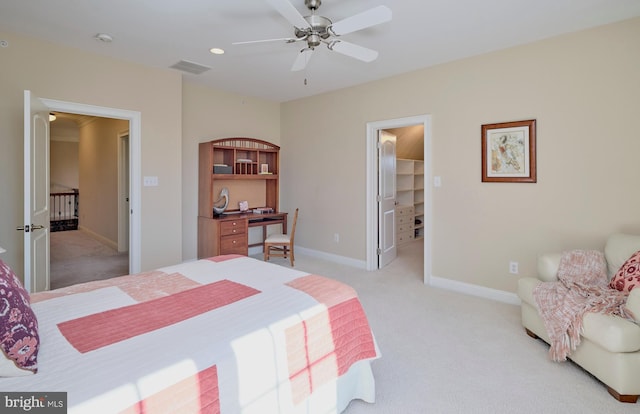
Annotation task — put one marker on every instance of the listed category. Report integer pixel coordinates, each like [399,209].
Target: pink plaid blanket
[582,287]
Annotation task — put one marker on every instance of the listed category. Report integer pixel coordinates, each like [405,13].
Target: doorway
[372,187]
[88,157]
[134,159]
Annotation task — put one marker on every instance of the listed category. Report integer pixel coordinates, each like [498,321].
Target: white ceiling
[422,33]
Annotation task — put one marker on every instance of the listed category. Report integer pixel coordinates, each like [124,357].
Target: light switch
[437,181]
[150,181]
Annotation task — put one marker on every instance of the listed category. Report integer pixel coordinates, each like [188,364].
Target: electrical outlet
[336,237]
[513,268]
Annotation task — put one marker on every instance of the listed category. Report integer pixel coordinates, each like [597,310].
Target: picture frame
[509,152]
[264,168]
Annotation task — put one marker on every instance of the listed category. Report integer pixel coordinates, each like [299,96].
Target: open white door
[386,198]
[36,194]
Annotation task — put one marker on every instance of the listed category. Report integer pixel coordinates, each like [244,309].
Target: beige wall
[99,177]
[65,74]
[63,167]
[210,114]
[582,88]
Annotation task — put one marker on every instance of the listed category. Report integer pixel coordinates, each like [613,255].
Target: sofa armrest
[548,264]
[525,290]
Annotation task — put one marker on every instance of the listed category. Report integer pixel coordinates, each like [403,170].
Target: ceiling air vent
[190,67]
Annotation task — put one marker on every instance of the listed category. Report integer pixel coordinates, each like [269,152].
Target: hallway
[77,257]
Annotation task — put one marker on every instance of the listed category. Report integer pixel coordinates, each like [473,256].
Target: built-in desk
[228,233]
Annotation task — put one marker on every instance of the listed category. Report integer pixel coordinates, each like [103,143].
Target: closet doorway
[419,195]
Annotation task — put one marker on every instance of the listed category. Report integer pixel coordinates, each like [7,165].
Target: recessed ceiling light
[103,37]
[216,51]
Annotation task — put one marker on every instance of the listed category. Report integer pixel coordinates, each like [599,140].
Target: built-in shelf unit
[409,199]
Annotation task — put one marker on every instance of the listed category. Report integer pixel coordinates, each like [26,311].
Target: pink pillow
[19,339]
[628,277]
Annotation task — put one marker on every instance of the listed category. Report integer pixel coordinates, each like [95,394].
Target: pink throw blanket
[582,287]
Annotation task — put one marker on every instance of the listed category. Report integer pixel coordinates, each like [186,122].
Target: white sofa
[610,345]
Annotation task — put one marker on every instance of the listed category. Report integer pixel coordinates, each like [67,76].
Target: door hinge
[378,198]
[378,251]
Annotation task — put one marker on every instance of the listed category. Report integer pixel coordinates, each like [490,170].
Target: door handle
[27,229]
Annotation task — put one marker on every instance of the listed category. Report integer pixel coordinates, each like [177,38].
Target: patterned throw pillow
[19,339]
[628,276]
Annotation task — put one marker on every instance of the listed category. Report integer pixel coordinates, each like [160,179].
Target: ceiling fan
[315,30]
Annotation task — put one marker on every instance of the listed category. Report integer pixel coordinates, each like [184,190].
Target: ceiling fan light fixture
[315,29]
[313,40]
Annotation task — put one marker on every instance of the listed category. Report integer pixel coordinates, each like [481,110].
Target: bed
[228,334]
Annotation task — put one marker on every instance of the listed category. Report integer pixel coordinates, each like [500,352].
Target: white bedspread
[286,342]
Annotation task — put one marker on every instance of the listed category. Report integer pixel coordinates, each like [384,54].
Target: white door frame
[372,187]
[123,191]
[135,157]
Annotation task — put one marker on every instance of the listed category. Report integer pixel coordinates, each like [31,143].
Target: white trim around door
[135,161]
[372,188]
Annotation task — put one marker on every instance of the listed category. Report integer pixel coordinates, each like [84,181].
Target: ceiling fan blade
[289,12]
[349,49]
[285,39]
[362,20]
[302,59]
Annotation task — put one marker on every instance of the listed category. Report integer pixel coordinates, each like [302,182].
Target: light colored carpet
[77,257]
[442,352]
[446,352]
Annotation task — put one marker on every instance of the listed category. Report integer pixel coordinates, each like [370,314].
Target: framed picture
[509,152]
[264,168]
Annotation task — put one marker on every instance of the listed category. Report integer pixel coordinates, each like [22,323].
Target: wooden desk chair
[281,245]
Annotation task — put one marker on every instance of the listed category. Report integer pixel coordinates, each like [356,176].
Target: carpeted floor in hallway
[77,257]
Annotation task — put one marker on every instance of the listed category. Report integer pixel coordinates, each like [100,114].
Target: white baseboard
[448,284]
[360,264]
[439,282]
[474,290]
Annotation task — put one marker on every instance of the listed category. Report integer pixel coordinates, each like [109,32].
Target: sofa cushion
[618,249]
[628,276]
[613,333]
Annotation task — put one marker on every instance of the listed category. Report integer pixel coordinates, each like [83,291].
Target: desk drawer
[235,244]
[231,227]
